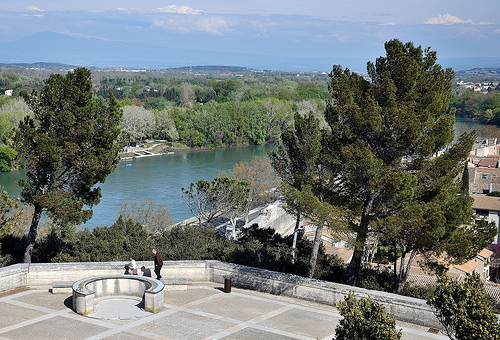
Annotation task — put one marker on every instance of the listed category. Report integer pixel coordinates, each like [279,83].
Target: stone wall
[403,308]
[13,276]
[42,275]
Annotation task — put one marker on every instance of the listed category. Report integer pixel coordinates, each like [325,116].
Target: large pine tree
[67,145]
[386,147]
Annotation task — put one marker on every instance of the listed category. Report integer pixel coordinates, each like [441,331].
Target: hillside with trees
[200,107]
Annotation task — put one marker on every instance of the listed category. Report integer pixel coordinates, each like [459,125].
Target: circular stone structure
[88,291]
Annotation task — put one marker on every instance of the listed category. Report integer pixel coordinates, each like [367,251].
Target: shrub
[463,309]
[365,320]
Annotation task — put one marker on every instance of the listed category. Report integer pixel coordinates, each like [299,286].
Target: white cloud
[446,19]
[33,9]
[342,37]
[210,25]
[213,25]
[179,10]
[172,25]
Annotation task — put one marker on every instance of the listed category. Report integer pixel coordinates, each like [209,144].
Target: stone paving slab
[230,306]
[13,314]
[119,309]
[56,302]
[204,311]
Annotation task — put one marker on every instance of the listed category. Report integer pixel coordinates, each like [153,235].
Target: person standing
[158,263]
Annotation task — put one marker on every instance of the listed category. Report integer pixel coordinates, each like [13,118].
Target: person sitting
[146,271]
[133,266]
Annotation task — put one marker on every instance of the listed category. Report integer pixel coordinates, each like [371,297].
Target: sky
[288,34]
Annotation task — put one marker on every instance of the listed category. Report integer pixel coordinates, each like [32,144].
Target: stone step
[175,284]
[62,287]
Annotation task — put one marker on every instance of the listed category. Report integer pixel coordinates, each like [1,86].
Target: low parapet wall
[403,308]
[13,276]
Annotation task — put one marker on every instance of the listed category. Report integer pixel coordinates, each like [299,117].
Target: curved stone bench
[87,291]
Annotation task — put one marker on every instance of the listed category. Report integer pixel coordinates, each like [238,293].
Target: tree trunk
[315,249]
[357,256]
[359,245]
[294,243]
[233,223]
[395,261]
[404,274]
[32,233]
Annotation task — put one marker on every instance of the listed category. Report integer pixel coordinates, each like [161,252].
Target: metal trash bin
[227,285]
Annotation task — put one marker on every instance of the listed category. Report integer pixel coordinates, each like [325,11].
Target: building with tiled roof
[485,254]
[480,264]
[485,146]
[469,268]
[483,162]
[488,162]
[487,208]
[484,180]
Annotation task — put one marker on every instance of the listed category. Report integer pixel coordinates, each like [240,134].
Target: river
[157,178]
[160,178]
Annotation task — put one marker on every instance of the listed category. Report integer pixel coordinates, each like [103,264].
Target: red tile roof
[488,162]
[486,202]
[469,266]
[486,253]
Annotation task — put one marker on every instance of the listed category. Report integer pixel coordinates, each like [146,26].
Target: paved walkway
[204,311]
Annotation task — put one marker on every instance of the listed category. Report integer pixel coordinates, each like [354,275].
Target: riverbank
[156,149]
[163,148]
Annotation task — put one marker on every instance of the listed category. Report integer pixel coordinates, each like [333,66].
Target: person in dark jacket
[158,263]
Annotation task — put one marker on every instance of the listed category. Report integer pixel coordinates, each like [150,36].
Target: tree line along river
[160,178]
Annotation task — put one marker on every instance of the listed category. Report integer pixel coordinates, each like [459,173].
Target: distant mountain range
[40,65]
[51,48]
[76,50]
[481,73]
[206,69]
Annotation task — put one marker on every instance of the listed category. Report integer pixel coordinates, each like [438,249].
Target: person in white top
[133,266]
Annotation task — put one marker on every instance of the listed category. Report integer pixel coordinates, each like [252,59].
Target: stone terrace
[203,311]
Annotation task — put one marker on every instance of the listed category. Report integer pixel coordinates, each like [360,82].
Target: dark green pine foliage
[118,242]
[68,145]
[295,160]
[384,134]
[8,211]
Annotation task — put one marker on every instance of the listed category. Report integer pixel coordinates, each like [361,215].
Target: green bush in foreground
[365,320]
[463,309]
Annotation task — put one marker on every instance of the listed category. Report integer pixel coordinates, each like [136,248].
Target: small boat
[128,165]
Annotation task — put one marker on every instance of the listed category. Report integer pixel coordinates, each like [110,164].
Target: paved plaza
[203,311]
